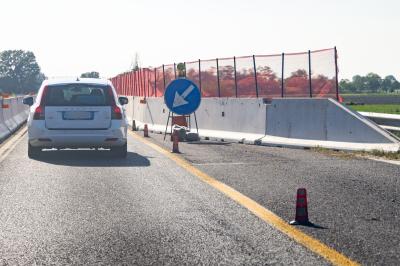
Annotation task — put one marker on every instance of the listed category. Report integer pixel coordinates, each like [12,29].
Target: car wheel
[33,151]
[120,152]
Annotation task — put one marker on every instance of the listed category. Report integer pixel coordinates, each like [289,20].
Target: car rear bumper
[39,136]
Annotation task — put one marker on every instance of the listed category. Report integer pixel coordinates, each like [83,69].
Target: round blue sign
[182,96]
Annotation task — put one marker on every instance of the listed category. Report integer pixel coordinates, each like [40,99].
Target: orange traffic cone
[146,131]
[301,208]
[175,144]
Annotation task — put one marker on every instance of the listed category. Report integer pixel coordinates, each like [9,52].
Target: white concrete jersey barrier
[290,122]
[4,131]
[16,109]
[9,120]
[13,113]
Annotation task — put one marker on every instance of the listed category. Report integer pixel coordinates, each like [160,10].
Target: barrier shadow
[223,143]
[92,158]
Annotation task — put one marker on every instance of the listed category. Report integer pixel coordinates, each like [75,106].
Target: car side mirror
[28,101]
[123,100]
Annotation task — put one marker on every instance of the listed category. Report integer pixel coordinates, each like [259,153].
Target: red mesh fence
[192,72]
[246,83]
[323,73]
[169,73]
[296,83]
[151,82]
[308,74]
[269,76]
[160,88]
[226,72]
[209,79]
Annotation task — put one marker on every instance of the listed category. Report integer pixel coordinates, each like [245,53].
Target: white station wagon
[77,113]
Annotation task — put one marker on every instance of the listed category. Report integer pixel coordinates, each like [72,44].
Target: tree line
[19,72]
[370,83]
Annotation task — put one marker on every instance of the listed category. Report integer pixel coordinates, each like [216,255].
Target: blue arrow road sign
[182,97]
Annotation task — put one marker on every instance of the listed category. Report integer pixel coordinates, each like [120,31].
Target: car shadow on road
[92,158]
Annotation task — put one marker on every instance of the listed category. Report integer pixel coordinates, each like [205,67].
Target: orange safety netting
[307,74]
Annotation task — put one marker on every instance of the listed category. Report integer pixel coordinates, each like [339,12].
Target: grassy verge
[354,154]
[370,94]
[377,108]
[387,155]
[396,133]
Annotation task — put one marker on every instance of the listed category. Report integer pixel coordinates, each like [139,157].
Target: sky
[70,37]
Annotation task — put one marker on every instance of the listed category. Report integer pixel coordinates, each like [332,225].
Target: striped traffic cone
[301,208]
[175,144]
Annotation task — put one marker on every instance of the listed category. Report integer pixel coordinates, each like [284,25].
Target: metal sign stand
[171,115]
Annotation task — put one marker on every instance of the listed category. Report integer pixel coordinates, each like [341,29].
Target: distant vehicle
[77,113]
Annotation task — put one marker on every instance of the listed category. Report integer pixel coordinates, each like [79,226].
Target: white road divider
[287,122]
[13,113]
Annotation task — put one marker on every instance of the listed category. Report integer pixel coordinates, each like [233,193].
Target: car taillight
[39,111]
[116,113]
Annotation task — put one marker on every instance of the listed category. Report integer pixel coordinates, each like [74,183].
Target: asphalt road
[85,207]
[355,201]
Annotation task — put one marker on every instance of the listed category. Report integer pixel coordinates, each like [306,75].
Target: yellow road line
[266,215]
[7,146]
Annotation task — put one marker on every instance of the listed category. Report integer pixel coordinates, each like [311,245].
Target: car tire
[120,152]
[33,152]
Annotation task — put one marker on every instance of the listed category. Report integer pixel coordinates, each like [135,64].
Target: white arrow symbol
[180,99]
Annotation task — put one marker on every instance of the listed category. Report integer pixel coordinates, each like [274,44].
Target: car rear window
[78,95]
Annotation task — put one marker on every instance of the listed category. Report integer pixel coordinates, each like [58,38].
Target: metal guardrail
[389,122]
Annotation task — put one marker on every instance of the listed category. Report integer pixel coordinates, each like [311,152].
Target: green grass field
[371,94]
[377,108]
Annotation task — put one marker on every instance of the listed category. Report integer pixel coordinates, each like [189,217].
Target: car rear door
[78,106]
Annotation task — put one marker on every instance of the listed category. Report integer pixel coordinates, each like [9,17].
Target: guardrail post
[143,82]
[255,74]
[155,82]
[148,82]
[200,75]
[219,89]
[163,74]
[127,84]
[283,75]
[137,83]
[309,72]
[175,70]
[140,81]
[134,82]
[234,68]
[336,78]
